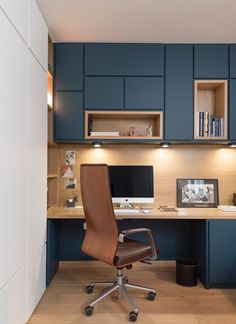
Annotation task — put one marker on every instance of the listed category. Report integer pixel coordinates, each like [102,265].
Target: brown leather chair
[102,240]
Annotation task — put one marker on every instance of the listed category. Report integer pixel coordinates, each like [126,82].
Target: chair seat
[131,251]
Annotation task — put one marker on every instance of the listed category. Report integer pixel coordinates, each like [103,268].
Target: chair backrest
[101,238]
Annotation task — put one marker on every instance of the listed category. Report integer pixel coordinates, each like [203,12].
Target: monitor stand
[126,205]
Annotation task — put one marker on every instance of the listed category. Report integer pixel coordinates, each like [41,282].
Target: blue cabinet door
[232,109]
[69,115]
[222,253]
[179,92]
[104,93]
[124,59]
[211,61]
[144,93]
[232,62]
[68,66]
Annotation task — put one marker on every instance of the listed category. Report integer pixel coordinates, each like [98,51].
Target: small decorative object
[70,203]
[70,157]
[70,183]
[197,193]
[149,130]
[67,171]
[131,131]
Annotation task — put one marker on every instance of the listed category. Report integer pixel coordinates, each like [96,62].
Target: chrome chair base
[121,284]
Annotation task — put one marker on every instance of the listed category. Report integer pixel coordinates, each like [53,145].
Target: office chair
[102,240]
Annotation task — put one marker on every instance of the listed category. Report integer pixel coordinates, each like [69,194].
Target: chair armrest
[147,231]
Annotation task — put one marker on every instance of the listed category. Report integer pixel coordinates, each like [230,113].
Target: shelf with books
[123,125]
[210,109]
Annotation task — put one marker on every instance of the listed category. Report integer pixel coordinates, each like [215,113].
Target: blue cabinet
[221,251]
[145,93]
[232,109]
[211,61]
[69,115]
[68,66]
[124,59]
[104,93]
[179,92]
[232,62]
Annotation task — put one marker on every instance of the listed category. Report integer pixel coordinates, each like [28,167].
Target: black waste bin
[186,272]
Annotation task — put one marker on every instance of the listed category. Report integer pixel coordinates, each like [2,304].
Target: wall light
[97,144]
[49,90]
[165,144]
[232,144]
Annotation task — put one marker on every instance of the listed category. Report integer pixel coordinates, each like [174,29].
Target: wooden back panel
[101,237]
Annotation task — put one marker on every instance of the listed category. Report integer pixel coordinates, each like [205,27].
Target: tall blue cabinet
[179,92]
[68,92]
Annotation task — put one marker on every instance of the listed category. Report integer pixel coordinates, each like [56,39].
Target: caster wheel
[88,311]
[151,295]
[89,289]
[133,316]
[129,266]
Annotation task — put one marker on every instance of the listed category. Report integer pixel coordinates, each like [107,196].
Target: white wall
[23,143]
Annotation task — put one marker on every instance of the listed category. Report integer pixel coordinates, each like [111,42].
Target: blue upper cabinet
[124,59]
[179,92]
[232,52]
[211,61]
[104,93]
[232,110]
[68,67]
[145,93]
[69,116]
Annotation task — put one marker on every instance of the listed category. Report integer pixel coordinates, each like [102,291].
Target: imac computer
[131,184]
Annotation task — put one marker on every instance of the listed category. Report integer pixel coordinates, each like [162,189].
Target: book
[104,133]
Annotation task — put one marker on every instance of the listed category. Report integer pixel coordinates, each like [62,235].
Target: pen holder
[70,203]
[234,199]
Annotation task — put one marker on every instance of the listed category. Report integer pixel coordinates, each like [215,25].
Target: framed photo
[197,193]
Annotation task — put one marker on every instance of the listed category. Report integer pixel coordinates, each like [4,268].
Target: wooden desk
[183,213]
[205,235]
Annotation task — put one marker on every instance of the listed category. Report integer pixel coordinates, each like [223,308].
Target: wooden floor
[64,300]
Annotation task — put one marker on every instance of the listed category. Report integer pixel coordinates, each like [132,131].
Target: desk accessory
[197,193]
[167,209]
[70,203]
[234,199]
[226,208]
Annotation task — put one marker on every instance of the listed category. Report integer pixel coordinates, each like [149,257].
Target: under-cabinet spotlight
[232,144]
[165,144]
[97,144]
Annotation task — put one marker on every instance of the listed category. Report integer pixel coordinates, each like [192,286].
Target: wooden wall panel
[183,161]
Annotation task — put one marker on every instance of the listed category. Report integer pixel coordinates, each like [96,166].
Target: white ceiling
[141,20]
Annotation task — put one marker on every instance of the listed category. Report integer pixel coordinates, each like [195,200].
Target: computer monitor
[131,184]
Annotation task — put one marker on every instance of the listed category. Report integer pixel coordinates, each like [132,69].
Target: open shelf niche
[123,125]
[210,109]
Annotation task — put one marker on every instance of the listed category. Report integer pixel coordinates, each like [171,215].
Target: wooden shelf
[210,110]
[122,122]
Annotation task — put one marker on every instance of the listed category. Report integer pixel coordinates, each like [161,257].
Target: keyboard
[126,211]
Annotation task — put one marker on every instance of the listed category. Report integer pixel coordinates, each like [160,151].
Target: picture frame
[197,193]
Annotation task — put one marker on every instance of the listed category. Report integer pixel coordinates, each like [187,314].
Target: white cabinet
[37,158]
[36,280]
[14,57]
[17,12]
[38,34]
[13,300]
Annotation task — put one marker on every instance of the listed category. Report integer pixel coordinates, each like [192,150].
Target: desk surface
[183,213]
